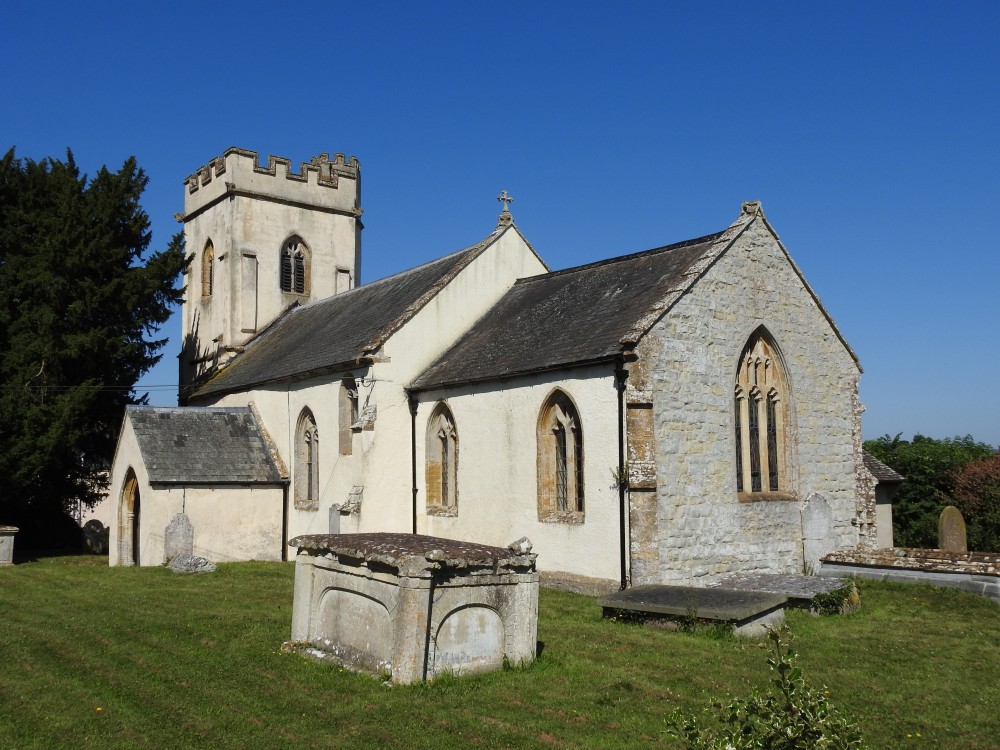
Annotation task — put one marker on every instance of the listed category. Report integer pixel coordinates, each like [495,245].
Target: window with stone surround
[295,266]
[760,399]
[306,470]
[441,462]
[559,441]
[207,269]
[348,414]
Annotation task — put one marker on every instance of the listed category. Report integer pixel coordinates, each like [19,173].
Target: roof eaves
[566,365]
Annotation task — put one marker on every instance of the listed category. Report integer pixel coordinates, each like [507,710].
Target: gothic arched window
[306,471]
[295,266]
[441,459]
[559,438]
[207,269]
[760,415]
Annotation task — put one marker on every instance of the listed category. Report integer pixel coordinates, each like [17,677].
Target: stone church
[673,415]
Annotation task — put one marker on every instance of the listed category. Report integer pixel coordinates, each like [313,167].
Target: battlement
[238,171]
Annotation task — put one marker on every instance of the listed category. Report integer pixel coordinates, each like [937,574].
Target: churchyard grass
[98,657]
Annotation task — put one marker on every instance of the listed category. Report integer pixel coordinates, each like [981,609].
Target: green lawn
[98,657]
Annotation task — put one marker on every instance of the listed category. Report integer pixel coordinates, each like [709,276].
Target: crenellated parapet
[321,182]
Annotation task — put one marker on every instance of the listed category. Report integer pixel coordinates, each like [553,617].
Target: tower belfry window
[294,267]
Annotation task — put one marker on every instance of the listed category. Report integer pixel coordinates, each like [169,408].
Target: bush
[796,716]
[977,495]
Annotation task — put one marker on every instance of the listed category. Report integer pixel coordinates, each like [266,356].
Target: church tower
[262,239]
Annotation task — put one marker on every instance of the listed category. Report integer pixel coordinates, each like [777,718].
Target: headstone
[817,531]
[7,544]
[191,564]
[951,531]
[95,537]
[178,539]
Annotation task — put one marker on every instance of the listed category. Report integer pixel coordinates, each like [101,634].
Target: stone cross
[951,531]
[505,199]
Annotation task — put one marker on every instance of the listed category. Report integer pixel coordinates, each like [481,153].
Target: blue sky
[868,129]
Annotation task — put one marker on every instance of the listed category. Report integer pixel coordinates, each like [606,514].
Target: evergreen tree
[81,299]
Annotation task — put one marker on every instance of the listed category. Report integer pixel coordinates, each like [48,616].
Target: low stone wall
[977,572]
[414,606]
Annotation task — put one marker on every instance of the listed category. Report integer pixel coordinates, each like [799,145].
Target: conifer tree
[81,301]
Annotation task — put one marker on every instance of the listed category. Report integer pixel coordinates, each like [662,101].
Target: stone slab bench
[414,606]
[749,612]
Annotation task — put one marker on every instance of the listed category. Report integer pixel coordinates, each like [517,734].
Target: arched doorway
[128,526]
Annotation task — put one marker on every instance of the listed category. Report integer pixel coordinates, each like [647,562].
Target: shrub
[795,716]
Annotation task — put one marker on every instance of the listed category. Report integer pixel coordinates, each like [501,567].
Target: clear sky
[869,130]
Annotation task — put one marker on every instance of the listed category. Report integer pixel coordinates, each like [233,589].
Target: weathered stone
[191,564]
[7,544]
[750,612]
[414,606]
[817,530]
[521,547]
[178,539]
[951,530]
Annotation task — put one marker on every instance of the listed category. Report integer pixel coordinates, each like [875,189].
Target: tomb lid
[398,550]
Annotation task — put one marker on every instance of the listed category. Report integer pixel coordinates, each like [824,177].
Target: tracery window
[207,269]
[559,440]
[441,459]
[306,462]
[295,266]
[760,415]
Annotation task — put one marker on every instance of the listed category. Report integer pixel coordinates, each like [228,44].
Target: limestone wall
[703,530]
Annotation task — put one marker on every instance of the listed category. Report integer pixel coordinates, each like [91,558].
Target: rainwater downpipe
[412,399]
[621,375]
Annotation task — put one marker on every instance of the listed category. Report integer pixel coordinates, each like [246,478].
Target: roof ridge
[622,258]
[399,274]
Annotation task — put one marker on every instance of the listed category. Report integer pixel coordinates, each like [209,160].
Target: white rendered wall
[497,469]
[380,459]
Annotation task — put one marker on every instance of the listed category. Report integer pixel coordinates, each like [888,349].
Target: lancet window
[442,462]
[307,462]
[560,461]
[207,269]
[760,415]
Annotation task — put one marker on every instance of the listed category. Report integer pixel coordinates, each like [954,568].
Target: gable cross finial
[505,217]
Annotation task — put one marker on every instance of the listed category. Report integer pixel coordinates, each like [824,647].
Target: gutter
[621,375]
[412,401]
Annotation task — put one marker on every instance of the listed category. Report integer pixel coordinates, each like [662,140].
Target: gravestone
[191,564]
[7,544]
[178,539]
[951,531]
[817,531]
[95,537]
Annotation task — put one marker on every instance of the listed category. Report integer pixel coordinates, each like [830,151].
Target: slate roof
[195,445]
[879,470]
[340,329]
[574,316]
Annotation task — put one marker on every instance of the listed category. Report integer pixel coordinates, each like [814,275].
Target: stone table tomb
[414,606]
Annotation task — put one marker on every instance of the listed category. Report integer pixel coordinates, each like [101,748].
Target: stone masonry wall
[703,531]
